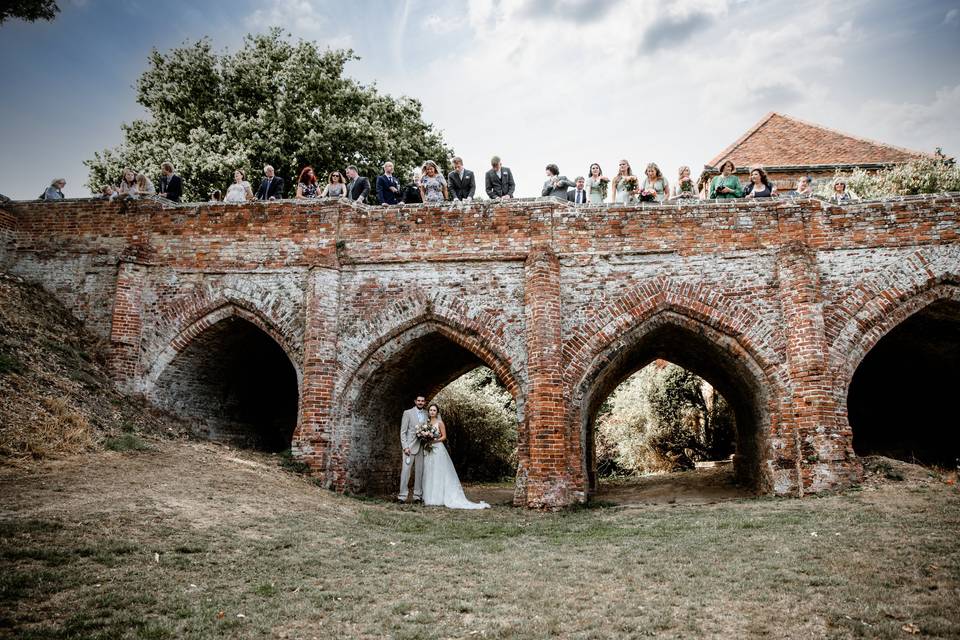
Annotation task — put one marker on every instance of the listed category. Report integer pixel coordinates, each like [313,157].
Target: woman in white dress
[240,190]
[441,485]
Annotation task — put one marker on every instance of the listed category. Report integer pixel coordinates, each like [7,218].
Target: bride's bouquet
[426,434]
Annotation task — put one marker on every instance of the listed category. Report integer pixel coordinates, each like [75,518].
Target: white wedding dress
[441,485]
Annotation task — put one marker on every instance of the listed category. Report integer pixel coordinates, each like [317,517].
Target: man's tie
[266,194]
[579,196]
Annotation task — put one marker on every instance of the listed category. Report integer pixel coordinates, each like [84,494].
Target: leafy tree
[272,102]
[29,10]
[939,174]
[663,418]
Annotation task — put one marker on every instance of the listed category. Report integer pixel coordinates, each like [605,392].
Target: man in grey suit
[460,181]
[556,184]
[412,453]
[500,182]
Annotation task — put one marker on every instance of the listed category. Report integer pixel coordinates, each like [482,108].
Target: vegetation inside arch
[663,418]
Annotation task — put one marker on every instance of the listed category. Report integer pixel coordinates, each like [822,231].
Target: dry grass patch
[188,542]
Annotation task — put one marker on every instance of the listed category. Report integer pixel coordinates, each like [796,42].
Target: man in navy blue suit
[272,186]
[388,187]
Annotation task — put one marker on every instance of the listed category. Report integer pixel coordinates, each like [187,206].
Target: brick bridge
[323,319]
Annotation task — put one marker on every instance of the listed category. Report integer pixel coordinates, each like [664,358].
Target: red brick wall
[774,302]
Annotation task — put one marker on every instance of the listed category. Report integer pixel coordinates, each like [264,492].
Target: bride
[441,485]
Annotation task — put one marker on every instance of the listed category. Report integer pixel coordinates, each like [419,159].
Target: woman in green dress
[596,184]
[726,185]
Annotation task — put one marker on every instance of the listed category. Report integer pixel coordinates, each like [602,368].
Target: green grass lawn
[134,545]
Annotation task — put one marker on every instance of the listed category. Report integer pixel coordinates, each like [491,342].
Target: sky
[535,81]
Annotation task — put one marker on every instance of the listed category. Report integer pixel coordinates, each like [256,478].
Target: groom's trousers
[416,463]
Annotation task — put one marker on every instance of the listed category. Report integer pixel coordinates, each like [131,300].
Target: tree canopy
[272,102]
[29,10]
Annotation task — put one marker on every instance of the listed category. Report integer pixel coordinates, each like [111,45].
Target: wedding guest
[625,185]
[128,184]
[358,187]
[144,186]
[307,184]
[336,187]
[171,186]
[433,188]
[240,190]
[411,192]
[556,185]
[107,192]
[55,190]
[726,185]
[499,180]
[597,184]
[388,187]
[579,194]
[759,185]
[685,187]
[271,188]
[655,187]
[804,187]
[461,182]
[840,193]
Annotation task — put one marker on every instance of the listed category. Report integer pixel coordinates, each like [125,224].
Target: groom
[412,453]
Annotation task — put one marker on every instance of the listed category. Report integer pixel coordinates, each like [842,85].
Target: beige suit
[408,440]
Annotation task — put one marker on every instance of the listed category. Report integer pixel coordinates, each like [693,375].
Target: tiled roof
[779,140]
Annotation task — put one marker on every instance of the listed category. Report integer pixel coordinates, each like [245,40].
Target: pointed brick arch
[195,321]
[360,414]
[701,304]
[729,329]
[474,329]
[867,314]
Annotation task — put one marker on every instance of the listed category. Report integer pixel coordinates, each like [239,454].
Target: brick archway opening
[233,383]
[715,358]
[421,361]
[899,402]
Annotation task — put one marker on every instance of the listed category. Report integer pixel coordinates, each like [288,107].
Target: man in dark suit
[171,186]
[460,182]
[499,180]
[388,187]
[359,187]
[579,194]
[272,186]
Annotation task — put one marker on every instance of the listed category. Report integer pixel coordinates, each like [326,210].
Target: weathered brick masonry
[349,311]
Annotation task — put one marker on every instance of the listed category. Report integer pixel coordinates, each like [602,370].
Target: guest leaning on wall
[726,185]
[271,188]
[307,184]
[171,186]
[655,187]
[686,187]
[55,190]
[759,185]
[240,190]
[555,185]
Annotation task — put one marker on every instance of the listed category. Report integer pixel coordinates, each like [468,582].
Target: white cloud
[917,124]
[307,19]
[952,17]
[537,82]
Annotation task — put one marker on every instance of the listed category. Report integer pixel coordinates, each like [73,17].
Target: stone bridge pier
[312,325]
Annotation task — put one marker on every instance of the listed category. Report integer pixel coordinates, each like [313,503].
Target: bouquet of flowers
[686,185]
[604,182]
[426,434]
[629,183]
